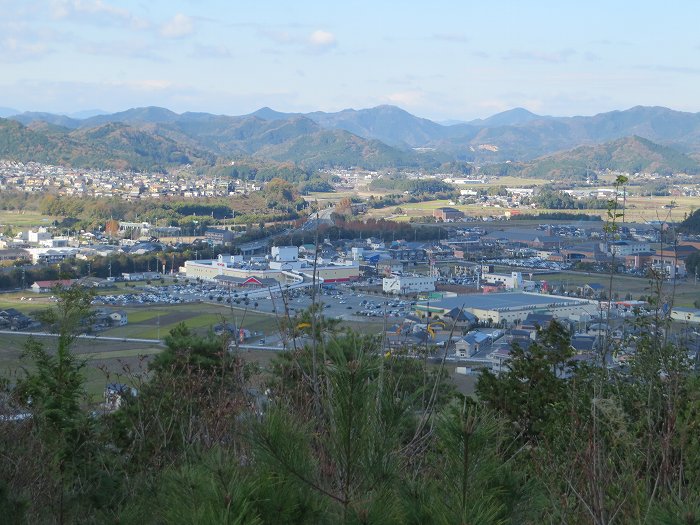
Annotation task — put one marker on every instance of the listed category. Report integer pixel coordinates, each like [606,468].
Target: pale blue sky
[438,59]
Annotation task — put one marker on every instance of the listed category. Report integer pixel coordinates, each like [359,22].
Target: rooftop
[500,301]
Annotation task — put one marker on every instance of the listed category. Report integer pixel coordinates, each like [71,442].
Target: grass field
[654,208]
[150,322]
[684,294]
[639,209]
[14,300]
[426,208]
[106,362]
[23,219]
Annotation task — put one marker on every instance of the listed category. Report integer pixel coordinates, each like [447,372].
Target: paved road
[134,340]
[85,336]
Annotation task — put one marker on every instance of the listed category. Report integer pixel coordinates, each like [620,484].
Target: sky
[438,59]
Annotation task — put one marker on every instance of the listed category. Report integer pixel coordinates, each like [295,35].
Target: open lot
[23,219]
[106,362]
[154,322]
[684,293]
[639,209]
[426,208]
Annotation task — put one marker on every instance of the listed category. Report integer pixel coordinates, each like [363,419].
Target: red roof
[51,284]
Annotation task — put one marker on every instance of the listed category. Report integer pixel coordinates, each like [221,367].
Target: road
[85,336]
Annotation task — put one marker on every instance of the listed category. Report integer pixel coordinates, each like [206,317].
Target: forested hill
[199,140]
[386,136]
[111,145]
[630,155]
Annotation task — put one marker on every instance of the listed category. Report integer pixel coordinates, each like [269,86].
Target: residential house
[119,318]
[448,214]
[47,286]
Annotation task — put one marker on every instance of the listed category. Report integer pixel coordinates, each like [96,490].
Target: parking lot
[338,301]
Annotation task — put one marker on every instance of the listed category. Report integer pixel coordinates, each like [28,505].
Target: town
[467,296]
[355,263]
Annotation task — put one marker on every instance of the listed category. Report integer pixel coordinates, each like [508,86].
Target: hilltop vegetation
[691,224]
[142,145]
[630,155]
[112,145]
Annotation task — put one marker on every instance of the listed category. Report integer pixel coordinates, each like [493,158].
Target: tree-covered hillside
[630,155]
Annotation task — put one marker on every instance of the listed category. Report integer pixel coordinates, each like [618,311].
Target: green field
[639,209]
[684,294]
[23,219]
[150,322]
[14,300]
[106,362]
[120,354]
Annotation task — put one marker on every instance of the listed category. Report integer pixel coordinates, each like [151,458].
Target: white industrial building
[514,281]
[407,284]
[35,237]
[283,264]
[51,255]
[627,248]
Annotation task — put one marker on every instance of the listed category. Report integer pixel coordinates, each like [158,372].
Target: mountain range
[630,155]
[384,136]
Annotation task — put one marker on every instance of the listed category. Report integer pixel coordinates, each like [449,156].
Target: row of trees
[558,200]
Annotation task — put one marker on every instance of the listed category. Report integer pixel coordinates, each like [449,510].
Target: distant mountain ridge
[631,155]
[6,112]
[511,117]
[385,136]
[191,138]
[113,145]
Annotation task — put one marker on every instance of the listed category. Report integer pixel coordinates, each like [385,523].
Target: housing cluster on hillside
[59,180]
[44,245]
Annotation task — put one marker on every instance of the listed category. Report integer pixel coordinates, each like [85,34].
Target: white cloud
[132,49]
[97,11]
[147,84]
[279,37]
[552,57]
[318,41]
[206,51]
[451,37]
[177,27]
[322,39]
[406,98]
[14,50]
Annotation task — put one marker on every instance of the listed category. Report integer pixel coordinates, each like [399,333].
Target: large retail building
[283,265]
[511,307]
